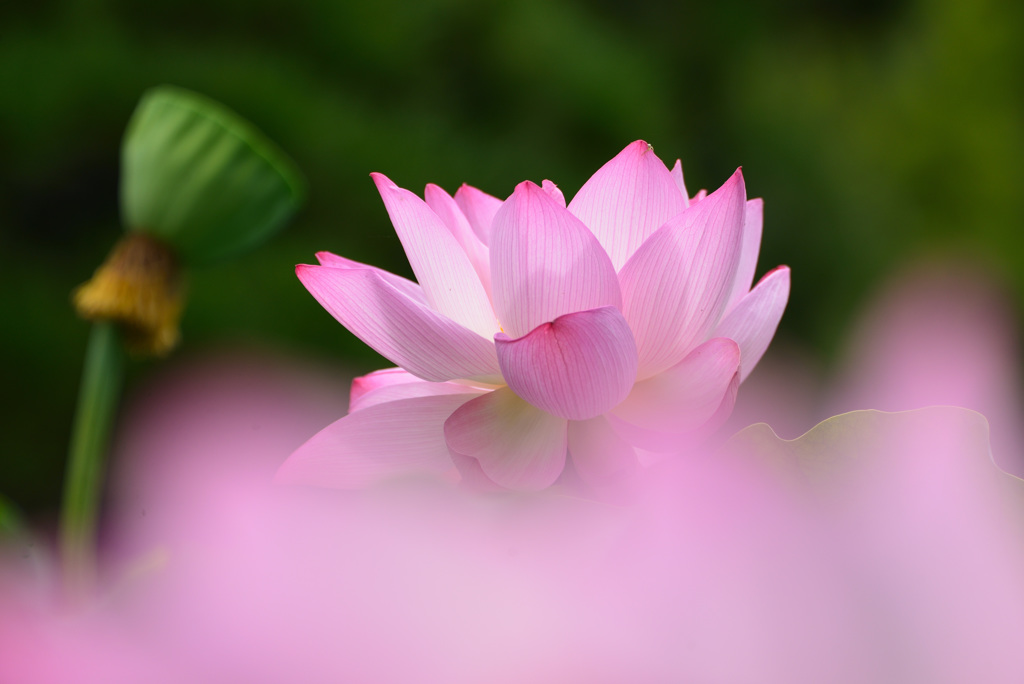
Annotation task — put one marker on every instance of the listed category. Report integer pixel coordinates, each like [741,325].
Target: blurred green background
[877,132]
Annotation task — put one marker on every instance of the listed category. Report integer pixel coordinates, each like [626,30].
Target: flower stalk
[94,417]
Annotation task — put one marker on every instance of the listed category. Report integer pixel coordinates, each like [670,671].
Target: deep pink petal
[479,209]
[601,457]
[545,263]
[449,212]
[676,286]
[552,189]
[517,445]
[442,268]
[403,285]
[412,336]
[749,249]
[577,367]
[392,384]
[677,176]
[684,397]
[752,323]
[405,436]
[627,200]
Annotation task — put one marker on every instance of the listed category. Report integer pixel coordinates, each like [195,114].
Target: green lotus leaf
[838,451]
[201,178]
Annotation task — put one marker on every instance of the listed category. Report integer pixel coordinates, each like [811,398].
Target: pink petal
[448,211]
[686,396]
[442,268]
[676,285]
[392,384]
[600,455]
[651,445]
[577,367]
[552,189]
[752,323]
[517,445]
[701,194]
[412,336]
[405,436]
[751,245]
[545,263]
[479,209]
[627,200]
[403,285]
[677,176]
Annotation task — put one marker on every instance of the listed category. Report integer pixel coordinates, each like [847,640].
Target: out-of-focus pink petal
[677,176]
[686,396]
[419,340]
[753,321]
[385,377]
[450,213]
[577,367]
[517,445]
[545,263]
[404,436]
[748,252]
[392,384]
[627,200]
[479,209]
[676,286]
[442,268]
[601,457]
[403,285]
[552,189]
[701,194]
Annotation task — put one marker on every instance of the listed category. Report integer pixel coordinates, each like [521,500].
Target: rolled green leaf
[199,177]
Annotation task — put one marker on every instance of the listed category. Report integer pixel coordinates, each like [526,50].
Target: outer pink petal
[545,263]
[748,252]
[442,268]
[600,455]
[651,445]
[479,209]
[517,445]
[403,285]
[752,323]
[446,208]
[685,396]
[392,384]
[676,286]
[577,367]
[419,340]
[552,189]
[405,436]
[627,200]
[677,176]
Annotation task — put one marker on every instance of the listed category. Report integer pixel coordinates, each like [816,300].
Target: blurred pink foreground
[879,547]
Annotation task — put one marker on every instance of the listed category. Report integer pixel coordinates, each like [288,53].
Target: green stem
[97,408]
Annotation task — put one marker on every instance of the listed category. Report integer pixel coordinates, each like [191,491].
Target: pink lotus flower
[608,329]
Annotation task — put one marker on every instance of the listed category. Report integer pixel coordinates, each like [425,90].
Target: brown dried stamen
[140,287]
